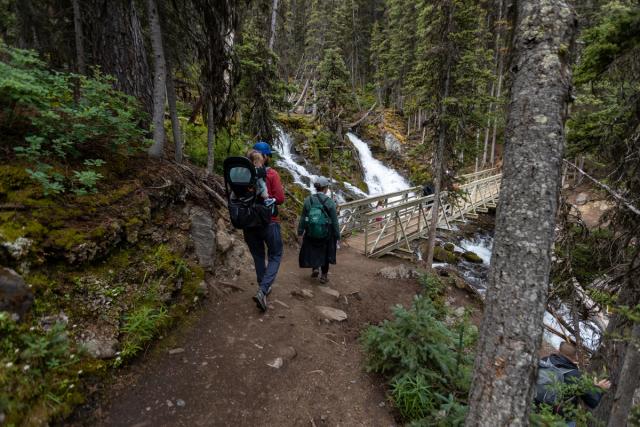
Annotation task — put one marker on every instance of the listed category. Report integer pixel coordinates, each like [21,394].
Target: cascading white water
[379,178]
[301,175]
[481,245]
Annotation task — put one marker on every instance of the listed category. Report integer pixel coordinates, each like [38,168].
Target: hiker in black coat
[567,360]
[319,253]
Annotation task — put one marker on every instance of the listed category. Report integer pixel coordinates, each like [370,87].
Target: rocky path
[215,370]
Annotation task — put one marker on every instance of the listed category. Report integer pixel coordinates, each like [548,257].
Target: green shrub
[428,361]
[56,120]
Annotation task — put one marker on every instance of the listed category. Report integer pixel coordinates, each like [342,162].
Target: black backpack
[240,181]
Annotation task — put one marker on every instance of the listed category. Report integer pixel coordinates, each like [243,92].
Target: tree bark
[274,17]
[173,112]
[77,24]
[160,78]
[211,138]
[442,139]
[628,382]
[511,333]
[117,45]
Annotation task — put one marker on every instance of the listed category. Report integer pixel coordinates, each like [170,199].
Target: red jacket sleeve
[274,186]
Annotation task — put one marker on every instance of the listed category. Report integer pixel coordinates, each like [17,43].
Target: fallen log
[361,119]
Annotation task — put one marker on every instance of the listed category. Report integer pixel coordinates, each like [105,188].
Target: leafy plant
[62,118]
[140,326]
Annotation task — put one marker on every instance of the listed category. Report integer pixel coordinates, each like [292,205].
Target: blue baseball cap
[263,148]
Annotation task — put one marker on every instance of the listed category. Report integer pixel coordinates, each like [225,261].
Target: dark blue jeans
[266,267]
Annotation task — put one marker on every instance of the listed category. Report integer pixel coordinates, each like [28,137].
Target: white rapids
[379,178]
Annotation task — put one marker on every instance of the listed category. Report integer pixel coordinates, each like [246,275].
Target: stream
[476,275]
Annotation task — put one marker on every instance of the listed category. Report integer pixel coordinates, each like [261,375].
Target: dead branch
[361,119]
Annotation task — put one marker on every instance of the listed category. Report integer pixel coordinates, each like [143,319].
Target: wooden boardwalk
[378,225]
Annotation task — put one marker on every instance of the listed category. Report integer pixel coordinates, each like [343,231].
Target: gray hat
[321,182]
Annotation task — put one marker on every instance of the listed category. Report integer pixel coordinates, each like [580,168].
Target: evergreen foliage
[427,360]
[260,92]
[61,119]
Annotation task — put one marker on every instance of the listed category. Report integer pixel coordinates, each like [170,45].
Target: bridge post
[366,236]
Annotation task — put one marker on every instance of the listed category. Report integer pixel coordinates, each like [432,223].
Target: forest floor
[214,369]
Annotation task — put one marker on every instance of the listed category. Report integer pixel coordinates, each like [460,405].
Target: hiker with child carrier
[254,191]
[558,369]
[318,231]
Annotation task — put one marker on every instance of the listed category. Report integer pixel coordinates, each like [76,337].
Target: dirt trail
[222,378]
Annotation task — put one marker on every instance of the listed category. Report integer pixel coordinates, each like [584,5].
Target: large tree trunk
[117,45]
[173,112]
[274,16]
[160,80]
[211,138]
[511,333]
[627,383]
[77,24]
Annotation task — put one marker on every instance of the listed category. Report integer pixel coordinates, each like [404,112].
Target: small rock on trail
[327,290]
[331,313]
[302,293]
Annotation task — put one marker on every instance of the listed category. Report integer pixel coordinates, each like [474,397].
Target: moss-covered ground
[111,265]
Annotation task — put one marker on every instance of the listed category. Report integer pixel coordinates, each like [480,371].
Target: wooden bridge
[389,222]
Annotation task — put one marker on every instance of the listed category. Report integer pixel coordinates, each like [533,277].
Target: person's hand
[300,240]
[604,384]
[337,244]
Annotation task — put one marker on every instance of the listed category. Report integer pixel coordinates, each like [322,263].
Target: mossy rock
[449,247]
[472,257]
[442,255]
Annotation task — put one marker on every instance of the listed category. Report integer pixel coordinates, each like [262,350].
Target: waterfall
[379,178]
[301,174]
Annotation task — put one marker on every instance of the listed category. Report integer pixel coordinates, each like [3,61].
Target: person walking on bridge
[270,236]
[318,231]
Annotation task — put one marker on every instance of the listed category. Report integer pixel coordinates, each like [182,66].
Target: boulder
[224,240]
[582,198]
[450,247]
[442,255]
[15,295]
[331,313]
[101,348]
[472,257]
[398,272]
[203,236]
[19,248]
[391,143]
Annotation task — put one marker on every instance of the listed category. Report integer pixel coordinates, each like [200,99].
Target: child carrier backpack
[240,181]
[549,379]
[318,219]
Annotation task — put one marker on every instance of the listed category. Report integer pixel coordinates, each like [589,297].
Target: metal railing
[378,231]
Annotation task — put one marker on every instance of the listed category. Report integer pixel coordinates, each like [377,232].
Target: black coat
[591,399]
[316,253]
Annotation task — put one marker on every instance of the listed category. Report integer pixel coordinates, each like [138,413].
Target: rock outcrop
[15,295]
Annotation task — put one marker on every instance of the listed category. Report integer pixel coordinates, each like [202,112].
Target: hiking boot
[261,301]
[324,278]
[268,291]
[315,272]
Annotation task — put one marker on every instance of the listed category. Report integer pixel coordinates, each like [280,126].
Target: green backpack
[318,220]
